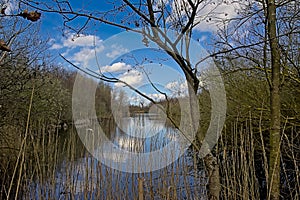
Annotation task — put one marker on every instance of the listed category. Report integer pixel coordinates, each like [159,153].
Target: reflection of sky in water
[143,133]
[158,147]
[153,136]
[142,125]
[84,176]
[90,179]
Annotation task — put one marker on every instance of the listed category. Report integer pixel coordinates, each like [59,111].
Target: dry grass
[55,165]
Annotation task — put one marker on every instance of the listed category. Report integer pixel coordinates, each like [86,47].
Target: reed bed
[55,165]
[243,159]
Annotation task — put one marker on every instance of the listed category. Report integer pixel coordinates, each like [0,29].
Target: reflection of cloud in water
[111,155]
[130,143]
[142,125]
[127,152]
[115,157]
[171,136]
[122,142]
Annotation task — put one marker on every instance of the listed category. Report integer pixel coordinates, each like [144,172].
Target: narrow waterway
[78,174]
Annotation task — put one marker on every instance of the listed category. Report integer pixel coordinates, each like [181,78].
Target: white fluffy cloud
[177,88]
[80,49]
[11,5]
[116,50]
[116,67]
[56,46]
[216,13]
[73,41]
[132,77]
[157,96]
[211,14]
[137,100]
[84,55]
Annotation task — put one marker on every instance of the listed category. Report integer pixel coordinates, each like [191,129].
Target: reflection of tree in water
[132,144]
[73,173]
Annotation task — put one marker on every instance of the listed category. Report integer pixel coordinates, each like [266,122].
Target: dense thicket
[35,97]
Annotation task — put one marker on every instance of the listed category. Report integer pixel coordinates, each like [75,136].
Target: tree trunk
[274,160]
[210,161]
[212,170]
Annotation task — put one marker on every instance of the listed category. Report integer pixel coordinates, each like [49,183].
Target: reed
[55,165]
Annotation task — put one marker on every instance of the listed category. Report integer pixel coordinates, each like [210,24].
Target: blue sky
[105,43]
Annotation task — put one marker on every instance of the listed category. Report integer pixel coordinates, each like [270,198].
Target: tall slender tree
[275,134]
[264,37]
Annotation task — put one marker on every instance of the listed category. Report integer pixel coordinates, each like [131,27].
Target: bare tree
[155,19]
[265,37]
